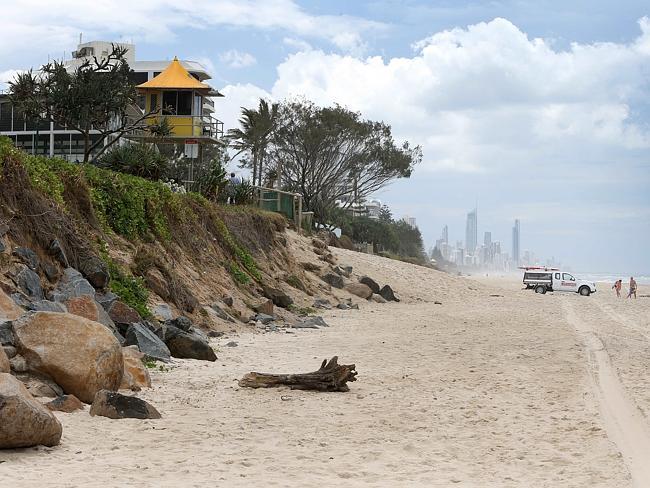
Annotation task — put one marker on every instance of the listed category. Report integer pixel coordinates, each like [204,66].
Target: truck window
[557,276]
[567,277]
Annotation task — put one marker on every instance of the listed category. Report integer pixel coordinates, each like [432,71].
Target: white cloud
[237,59]
[297,44]
[487,97]
[54,25]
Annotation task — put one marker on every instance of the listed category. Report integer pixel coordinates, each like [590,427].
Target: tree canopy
[96,96]
[333,157]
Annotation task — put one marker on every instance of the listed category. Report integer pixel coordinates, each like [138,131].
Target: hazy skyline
[539,111]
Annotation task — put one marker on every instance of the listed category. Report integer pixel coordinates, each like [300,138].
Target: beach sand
[495,386]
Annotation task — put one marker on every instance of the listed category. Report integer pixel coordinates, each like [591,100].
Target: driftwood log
[330,377]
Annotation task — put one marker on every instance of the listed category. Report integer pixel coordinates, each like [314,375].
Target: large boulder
[188,345]
[370,283]
[265,307]
[277,296]
[157,283]
[80,355]
[86,306]
[388,294]
[150,344]
[8,308]
[182,323]
[72,284]
[95,271]
[28,282]
[359,289]
[334,280]
[117,406]
[6,333]
[122,315]
[312,322]
[24,422]
[136,375]
[5,367]
[27,256]
[65,403]
[47,306]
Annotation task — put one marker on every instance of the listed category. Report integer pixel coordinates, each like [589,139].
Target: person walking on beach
[617,286]
[233,182]
[632,290]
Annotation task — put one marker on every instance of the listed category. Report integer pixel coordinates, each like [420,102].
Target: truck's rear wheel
[584,291]
[540,289]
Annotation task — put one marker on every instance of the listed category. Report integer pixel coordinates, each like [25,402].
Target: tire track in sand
[624,423]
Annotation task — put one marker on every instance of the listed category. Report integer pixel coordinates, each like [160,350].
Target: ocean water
[642,279]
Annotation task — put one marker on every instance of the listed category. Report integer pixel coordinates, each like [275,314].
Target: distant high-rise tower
[487,239]
[515,242]
[445,235]
[471,232]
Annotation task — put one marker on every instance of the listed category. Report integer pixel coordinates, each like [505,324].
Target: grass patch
[238,275]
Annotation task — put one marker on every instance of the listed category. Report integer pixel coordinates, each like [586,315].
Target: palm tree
[254,133]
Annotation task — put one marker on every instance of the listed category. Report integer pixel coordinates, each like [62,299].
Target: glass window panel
[169,102]
[184,106]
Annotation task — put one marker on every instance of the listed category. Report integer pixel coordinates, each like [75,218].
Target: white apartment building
[47,138]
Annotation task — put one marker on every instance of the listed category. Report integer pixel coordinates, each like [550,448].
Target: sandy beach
[493,386]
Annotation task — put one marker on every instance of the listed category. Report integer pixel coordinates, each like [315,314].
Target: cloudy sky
[533,109]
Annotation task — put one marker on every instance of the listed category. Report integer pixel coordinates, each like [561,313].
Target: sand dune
[478,391]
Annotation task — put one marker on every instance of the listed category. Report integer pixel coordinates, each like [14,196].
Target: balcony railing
[188,126]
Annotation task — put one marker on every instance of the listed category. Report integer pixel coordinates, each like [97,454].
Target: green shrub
[130,289]
[136,159]
[238,275]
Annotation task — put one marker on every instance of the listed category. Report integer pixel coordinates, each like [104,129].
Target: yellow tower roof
[174,77]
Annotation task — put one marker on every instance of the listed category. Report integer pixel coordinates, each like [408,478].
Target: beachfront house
[182,94]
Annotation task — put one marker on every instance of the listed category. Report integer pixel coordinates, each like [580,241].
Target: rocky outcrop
[277,296]
[86,306]
[370,283]
[80,355]
[8,308]
[334,280]
[388,294]
[359,289]
[136,375]
[47,306]
[377,298]
[310,323]
[117,406]
[5,367]
[24,422]
[122,315]
[150,344]
[71,285]
[40,387]
[95,271]
[265,307]
[28,282]
[6,333]
[27,256]
[65,403]
[188,345]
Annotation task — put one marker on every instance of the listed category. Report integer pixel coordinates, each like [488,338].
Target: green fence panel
[270,202]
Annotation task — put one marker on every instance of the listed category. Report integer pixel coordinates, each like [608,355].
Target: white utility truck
[543,279]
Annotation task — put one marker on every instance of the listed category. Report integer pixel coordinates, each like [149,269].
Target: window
[154,101]
[169,102]
[177,102]
[5,116]
[567,277]
[557,276]
[184,106]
